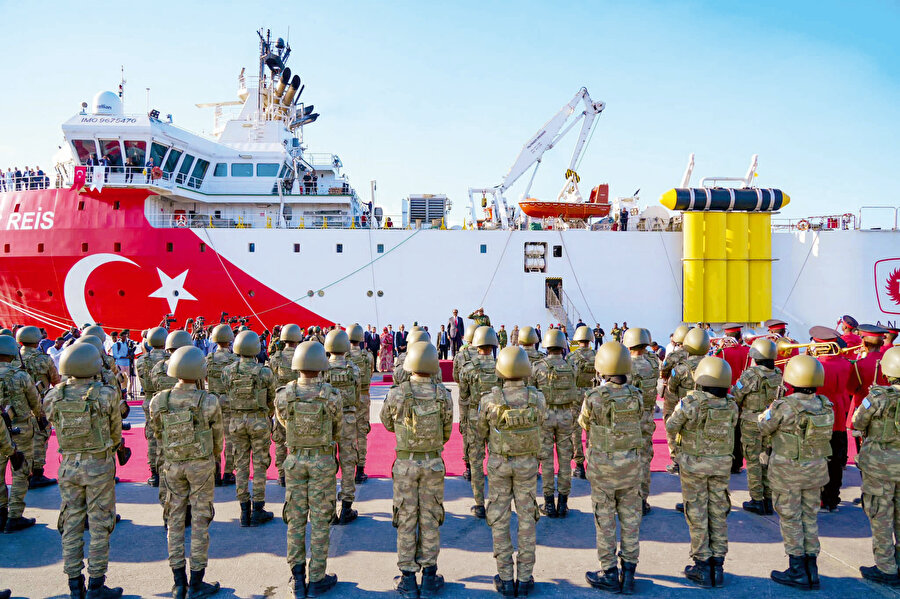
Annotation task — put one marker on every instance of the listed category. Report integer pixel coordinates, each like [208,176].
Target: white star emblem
[172,289]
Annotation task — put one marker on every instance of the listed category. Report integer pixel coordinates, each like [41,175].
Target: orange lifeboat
[597,206]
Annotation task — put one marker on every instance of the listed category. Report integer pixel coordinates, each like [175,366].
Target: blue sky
[433,97]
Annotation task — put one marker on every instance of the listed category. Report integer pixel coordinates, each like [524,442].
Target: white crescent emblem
[76,279]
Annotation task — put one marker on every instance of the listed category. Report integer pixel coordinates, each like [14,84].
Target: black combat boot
[524,587]
[432,582]
[812,568]
[348,514]
[756,506]
[605,580]
[228,479]
[245,514]
[4,517]
[627,577]
[645,507]
[97,589]
[200,589]
[281,481]
[478,511]
[5,594]
[217,478]
[467,475]
[180,588]
[259,515]
[320,587]
[361,475]
[153,481]
[770,507]
[875,575]
[298,579]
[679,507]
[406,585]
[579,471]
[17,524]
[507,588]
[717,564]
[38,479]
[700,573]
[562,506]
[795,575]
[76,587]
[549,507]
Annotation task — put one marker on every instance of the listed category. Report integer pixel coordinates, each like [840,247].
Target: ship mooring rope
[221,262]
[496,268]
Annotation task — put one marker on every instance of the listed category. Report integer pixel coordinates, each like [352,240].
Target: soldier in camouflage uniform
[400,374]
[478,377]
[20,399]
[481,319]
[877,421]
[343,375]
[310,411]
[463,357]
[556,380]
[582,360]
[110,374]
[611,415]
[527,340]
[704,422]
[9,453]
[754,392]
[680,381]
[644,376]
[280,363]
[156,339]
[800,426]
[216,362]
[251,398]
[85,414]
[42,370]
[364,360]
[510,419]
[420,412]
[670,398]
[187,424]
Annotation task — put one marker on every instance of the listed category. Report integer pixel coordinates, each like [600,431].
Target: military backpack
[308,423]
[811,437]
[79,423]
[517,431]
[185,433]
[618,426]
[421,427]
[714,432]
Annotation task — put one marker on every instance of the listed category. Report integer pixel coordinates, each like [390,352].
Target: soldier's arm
[676,421]
[6,444]
[863,414]
[388,409]
[31,395]
[741,388]
[270,391]
[770,420]
[448,413]
[584,417]
[214,416]
[337,418]
[542,408]
[281,405]
[485,412]
[115,417]
[464,391]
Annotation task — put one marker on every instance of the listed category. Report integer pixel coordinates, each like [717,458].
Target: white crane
[531,154]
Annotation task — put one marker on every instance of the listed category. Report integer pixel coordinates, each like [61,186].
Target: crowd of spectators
[16,179]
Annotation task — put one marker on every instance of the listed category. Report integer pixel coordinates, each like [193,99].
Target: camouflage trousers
[706,507]
[609,503]
[228,442]
[646,459]
[464,428]
[348,454]
[40,447]
[577,435]
[191,484]
[363,427]
[881,502]
[475,452]
[557,432]
[797,511]
[513,478]
[15,496]
[251,434]
[279,438]
[669,402]
[87,487]
[418,512]
[152,444]
[754,445]
[309,495]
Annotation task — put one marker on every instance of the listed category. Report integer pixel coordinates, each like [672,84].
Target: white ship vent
[425,210]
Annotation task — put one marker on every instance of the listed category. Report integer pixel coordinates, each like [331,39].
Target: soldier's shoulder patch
[739,385]
[768,414]
[866,403]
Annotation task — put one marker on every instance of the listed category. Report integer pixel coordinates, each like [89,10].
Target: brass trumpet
[815,348]
[724,341]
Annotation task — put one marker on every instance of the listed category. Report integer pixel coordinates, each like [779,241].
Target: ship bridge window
[221,170]
[266,169]
[185,168]
[136,152]
[84,149]
[241,170]
[157,152]
[172,160]
[112,150]
[198,173]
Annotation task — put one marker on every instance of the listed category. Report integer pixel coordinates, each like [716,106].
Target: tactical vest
[308,422]
[714,432]
[620,430]
[765,388]
[341,377]
[421,427]
[560,387]
[361,358]
[80,426]
[517,431]
[12,394]
[215,366]
[185,433]
[35,363]
[483,377]
[146,363]
[247,393]
[811,437]
[885,429]
[686,382]
[280,362]
[644,374]
[583,362]
[163,381]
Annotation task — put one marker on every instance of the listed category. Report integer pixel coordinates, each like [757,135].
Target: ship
[143,222]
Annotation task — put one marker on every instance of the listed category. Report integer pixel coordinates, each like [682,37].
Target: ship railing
[133,176]
[827,222]
[879,218]
[265,220]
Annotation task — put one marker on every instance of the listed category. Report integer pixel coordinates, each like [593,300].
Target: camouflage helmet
[156,337]
[804,371]
[416,336]
[221,333]
[291,333]
[81,360]
[470,332]
[6,332]
[337,342]
[484,336]
[635,337]
[890,363]
[763,349]
[527,336]
[356,333]
[28,335]
[92,340]
[310,356]
[583,334]
[513,363]
[713,372]
[421,357]
[96,330]
[177,339]
[612,358]
[8,346]
[247,344]
[680,332]
[187,363]
[696,342]
[554,338]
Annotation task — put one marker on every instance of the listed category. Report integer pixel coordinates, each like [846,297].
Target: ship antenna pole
[122,88]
